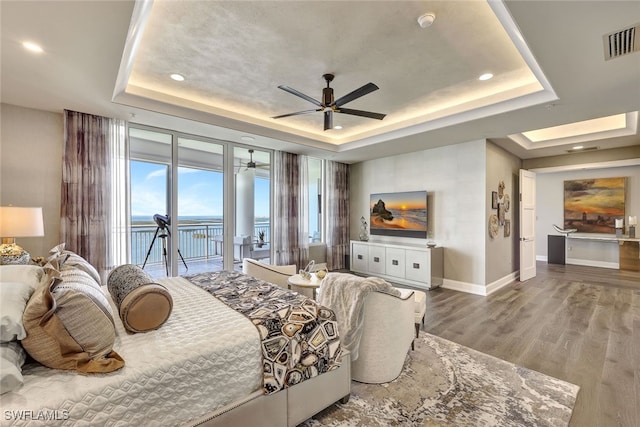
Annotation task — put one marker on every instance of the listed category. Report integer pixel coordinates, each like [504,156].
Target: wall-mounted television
[401,214]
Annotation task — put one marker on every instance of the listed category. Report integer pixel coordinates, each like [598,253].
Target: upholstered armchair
[276,274]
[387,335]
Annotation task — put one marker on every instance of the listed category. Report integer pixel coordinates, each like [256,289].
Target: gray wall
[502,257]
[550,207]
[31,168]
[455,178]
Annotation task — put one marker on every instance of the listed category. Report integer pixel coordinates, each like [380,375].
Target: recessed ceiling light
[337,127]
[33,47]
[247,138]
[578,147]
[177,77]
[485,76]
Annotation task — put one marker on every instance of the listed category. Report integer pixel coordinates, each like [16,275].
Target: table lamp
[18,222]
[619,226]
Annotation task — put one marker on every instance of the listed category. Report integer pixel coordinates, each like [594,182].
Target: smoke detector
[426,20]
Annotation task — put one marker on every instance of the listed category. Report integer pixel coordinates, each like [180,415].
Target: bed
[204,366]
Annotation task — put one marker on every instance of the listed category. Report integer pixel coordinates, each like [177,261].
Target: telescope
[162,231]
[162,220]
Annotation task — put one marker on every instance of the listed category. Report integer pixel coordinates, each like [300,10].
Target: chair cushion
[420,305]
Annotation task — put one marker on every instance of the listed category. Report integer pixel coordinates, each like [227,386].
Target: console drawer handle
[359,256]
[394,262]
[416,265]
[376,259]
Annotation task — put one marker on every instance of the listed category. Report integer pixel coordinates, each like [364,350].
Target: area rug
[446,384]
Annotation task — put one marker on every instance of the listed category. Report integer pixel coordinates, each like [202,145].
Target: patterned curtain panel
[87,216]
[291,219]
[337,206]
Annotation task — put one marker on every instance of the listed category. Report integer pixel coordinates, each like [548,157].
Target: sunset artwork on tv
[399,214]
[592,205]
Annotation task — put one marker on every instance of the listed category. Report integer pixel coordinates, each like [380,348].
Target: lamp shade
[21,222]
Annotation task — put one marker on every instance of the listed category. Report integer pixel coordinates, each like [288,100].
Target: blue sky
[199,192]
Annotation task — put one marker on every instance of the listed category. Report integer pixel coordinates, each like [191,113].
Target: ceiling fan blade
[328,120]
[368,88]
[300,94]
[361,113]
[295,114]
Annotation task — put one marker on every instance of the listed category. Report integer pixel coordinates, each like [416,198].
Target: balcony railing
[195,241]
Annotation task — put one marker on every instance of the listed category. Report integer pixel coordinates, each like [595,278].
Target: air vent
[621,42]
[582,150]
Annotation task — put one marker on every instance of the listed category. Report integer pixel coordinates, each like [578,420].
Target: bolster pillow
[143,305]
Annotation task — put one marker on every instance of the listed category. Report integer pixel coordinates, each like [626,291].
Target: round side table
[304,286]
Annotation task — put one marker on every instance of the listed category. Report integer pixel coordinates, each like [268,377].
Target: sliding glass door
[150,176]
[200,206]
[252,190]
[197,204]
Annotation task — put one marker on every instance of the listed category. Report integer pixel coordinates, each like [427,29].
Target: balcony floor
[157,270]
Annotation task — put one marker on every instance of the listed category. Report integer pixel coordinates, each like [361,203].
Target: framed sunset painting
[592,205]
[399,214]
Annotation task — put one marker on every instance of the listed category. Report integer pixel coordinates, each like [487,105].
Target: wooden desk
[628,248]
[630,255]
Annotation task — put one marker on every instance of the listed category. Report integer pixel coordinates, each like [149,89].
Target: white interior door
[527,225]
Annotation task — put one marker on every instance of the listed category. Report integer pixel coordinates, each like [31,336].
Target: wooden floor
[579,324]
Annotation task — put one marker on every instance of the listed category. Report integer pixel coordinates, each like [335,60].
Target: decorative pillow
[69,325]
[68,259]
[143,304]
[31,275]
[13,300]
[17,283]
[12,357]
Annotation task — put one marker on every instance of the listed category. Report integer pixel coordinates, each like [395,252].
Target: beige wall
[454,177]
[31,168]
[502,252]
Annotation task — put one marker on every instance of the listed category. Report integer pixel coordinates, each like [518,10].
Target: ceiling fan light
[426,20]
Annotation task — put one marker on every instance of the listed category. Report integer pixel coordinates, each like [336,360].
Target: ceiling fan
[330,106]
[251,164]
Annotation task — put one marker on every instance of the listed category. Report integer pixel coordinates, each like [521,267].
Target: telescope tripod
[163,236]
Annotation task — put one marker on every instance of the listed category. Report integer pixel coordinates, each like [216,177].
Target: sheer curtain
[94,189]
[291,211]
[337,214]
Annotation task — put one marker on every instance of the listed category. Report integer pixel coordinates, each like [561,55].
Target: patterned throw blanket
[299,337]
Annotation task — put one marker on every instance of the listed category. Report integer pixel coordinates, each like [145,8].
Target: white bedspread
[205,356]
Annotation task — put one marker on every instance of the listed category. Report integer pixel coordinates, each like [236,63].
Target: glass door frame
[228,172]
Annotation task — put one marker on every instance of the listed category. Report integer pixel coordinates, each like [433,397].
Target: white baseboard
[472,288]
[592,263]
[469,288]
[501,283]
[542,258]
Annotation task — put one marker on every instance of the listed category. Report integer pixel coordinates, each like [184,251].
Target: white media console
[412,265]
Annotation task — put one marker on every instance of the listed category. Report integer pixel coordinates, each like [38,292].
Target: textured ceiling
[112,58]
[235,54]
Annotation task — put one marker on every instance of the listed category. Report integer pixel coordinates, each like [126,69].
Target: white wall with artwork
[551,210]
[454,178]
